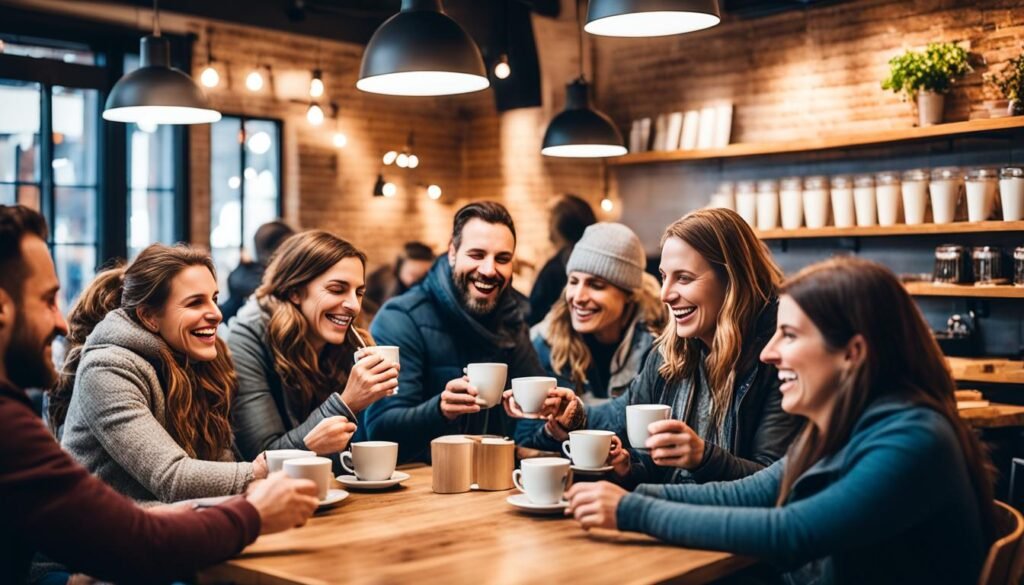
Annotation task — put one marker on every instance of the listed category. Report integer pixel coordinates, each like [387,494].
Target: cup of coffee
[388,352]
[371,460]
[588,448]
[543,479]
[317,469]
[639,416]
[531,391]
[277,457]
[489,381]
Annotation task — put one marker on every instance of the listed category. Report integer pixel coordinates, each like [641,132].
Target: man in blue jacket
[464,311]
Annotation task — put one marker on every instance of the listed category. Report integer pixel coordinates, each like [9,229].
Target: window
[245,187]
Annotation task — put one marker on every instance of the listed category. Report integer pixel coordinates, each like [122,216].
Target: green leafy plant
[933,70]
[1010,80]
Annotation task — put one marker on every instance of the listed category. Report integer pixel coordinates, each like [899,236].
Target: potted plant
[1009,82]
[927,75]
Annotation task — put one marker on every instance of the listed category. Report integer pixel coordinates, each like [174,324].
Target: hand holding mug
[459,398]
[282,502]
[372,377]
[618,458]
[557,401]
[674,444]
[595,505]
[330,435]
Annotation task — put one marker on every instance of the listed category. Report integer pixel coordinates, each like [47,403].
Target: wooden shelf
[928,289]
[824,142]
[960,227]
[990,370]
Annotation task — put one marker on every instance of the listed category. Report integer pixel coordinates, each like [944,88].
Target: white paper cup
[371,460]
[530,392]
[888,200]
[864,206]
[981,199]
[746,206]
[1011,192]
[792,204]
[767,210]
[639,416]
[945,195]
[277,457]
[390,353]
[915,201]
[842,207]
[317,469]
[816,207]
[489,380]
[542,479]
[588,448]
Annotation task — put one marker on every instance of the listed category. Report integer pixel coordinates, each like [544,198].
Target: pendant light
[157,93]
[581,131]
[650,18]
[421,51]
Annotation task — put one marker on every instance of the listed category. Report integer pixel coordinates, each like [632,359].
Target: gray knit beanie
[610,251]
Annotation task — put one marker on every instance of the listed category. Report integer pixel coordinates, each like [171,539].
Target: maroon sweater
[51,504]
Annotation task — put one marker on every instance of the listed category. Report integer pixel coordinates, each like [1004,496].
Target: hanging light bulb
[340,140]
[316,85]
[234,182]
[315,114]
[607,205]
[414,161]
[254,81]
[390,189]
[210,77]
[434,192]
[402,160]
[502,69]
[389,157]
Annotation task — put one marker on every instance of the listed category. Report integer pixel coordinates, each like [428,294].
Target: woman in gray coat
[144,402]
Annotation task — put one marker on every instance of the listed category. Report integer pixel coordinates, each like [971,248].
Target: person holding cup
[303,372]
[463,321]
[598,332]
[702,407]
[886,484]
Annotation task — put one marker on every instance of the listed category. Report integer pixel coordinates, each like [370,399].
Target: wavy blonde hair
[743,264]
[308,377]
[198,394]
[568,347]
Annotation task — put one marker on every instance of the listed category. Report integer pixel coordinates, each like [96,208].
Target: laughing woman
[148,393]
[294,346]
[885,485]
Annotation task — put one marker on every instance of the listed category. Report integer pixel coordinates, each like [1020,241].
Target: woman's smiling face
[692,289]
[189,318]
[332,301]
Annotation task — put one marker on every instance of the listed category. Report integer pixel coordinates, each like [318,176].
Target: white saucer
[351,481]
[523,503]
[586,470]
[333,497]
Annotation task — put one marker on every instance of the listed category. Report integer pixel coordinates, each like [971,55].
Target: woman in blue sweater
[885,485]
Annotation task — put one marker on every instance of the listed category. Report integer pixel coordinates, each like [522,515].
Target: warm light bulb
[402,160]
[316,87]
[234,182]
[340,140]
[502,69]
[607,205]
[389,189]
[434,192]
[315,115]
[414,161]
[209,77]
[389,157]
[250,174]
[254,81]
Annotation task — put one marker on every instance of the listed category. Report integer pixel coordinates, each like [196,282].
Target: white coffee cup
[639,416]
[317,469]
[543,479]
[588,448]
[371,460]
[489,381]
[388,352]
[530,392]
[277,457]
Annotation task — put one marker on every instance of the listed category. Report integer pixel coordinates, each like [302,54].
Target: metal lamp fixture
[650,18]
[421,52]
[157,93]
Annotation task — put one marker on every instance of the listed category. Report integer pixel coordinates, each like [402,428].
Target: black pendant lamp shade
[157,93]
[421,52]
[581,131]
[650,18]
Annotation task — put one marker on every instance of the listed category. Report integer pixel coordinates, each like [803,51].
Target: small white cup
[277,457]
[317,469]
[542,479]
[489,381]
[639,416]
[388,352]
[530,392]
[371,460]
[588,448]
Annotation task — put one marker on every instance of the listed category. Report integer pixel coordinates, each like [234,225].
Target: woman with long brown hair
[721,286]
[886,484]
[146,391]
[303,377]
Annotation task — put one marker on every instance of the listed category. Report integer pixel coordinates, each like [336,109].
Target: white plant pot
[929,108]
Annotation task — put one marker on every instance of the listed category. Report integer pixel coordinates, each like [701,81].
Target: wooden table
[994,416]
[412,535]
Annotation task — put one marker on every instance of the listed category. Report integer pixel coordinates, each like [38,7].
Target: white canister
[1011,192]
[887,197]
[816,197]
[864,200]
[767,204]
[915,195]
[981,186]
[791,202]
[725,198]
[842,201]
[746,202]
[945,193]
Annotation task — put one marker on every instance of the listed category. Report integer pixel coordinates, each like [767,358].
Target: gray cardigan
[116,422]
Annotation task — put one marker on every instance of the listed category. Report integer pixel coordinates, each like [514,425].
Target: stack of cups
[767,204]
[1011,191]
[887,193]
[864,200]
[792,203]
[746,202]
[915,195]
[981,193]
[945,192]
[842,201]
[816,201]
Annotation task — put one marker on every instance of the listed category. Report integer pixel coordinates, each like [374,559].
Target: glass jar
[746,201]
[816,201]
[981,186]
[915,195]
[864,200]
[842,200]
[951,265]
[945,187]
[887,197]
[988,266]
[791,202]
[1018,266]
[767,204]
[1011,192]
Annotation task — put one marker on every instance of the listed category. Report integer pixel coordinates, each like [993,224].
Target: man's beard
[26,362]
[478,307]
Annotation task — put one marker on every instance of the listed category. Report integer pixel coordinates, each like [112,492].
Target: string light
[502,69]
[316,84]
[315,115]
[389,157]
[434,192]
[254,81]
[607,205]
[340,140]
[390,189]
[209,77]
